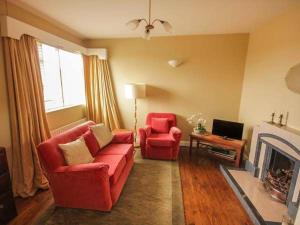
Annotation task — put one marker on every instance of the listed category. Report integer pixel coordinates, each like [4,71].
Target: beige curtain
[101,105]
[27,113]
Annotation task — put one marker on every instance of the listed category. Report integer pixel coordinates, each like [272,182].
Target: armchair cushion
[116,165]
[76,152]
[160,125]
[160,140]
[91,142]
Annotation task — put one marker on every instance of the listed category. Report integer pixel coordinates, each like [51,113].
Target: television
[228,129]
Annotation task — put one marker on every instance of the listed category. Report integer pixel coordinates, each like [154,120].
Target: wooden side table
[219,142]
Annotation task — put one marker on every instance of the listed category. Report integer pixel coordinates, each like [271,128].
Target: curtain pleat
[101,105]
[29,125]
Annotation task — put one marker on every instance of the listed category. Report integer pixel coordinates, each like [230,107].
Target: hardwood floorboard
[208,199]
[29,209]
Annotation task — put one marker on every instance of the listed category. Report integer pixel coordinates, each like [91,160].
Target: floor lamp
[135,91]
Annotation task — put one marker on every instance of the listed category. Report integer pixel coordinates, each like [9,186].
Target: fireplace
[279,169]
[273,168]
[278,175]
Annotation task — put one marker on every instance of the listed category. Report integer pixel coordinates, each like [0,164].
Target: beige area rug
[151,196]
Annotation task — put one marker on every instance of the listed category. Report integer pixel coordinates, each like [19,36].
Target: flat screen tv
[228,129]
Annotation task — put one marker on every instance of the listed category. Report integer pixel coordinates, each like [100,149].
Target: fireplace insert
[279,176]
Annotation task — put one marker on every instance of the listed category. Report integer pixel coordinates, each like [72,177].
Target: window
[62,76]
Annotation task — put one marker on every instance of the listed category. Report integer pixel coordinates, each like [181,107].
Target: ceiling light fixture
[133,24]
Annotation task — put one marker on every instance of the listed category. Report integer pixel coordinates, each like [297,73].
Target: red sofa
[96,185]
[161,141]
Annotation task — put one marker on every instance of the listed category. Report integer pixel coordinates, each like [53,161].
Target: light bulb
[147,34]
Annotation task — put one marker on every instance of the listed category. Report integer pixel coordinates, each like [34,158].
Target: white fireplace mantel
[289,134]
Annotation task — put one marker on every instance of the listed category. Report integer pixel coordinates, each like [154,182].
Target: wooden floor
[30,209]
[208,199]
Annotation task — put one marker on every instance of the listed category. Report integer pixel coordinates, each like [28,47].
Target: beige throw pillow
[76,152]
[102,134]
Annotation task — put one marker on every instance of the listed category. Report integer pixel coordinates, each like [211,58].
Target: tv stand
[215,141]
[227,138]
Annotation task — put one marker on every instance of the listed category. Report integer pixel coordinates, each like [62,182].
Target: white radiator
[67,127]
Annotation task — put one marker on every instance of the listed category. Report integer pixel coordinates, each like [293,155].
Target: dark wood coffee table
[219,142]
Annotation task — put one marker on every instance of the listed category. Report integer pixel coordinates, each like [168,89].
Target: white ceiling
[107,18]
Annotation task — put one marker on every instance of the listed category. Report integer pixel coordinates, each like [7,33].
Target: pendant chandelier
[133,24]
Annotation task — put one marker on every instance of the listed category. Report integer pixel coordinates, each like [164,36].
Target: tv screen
[228,129]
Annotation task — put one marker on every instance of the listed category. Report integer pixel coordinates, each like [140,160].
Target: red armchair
[160,138]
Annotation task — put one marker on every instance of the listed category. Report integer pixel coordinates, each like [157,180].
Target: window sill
[63,108]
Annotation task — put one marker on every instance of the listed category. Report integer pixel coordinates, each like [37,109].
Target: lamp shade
[166,25]
[133,24]
[133,91]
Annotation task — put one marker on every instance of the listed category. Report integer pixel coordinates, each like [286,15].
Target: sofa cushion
[161,140]
[102,134]
[116,165]
[91,142]
[118,149]
[160,125]
[122,137]
[76,152]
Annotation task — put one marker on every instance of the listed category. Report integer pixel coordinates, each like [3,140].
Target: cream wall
[209,80]
[62,117]
[273,49]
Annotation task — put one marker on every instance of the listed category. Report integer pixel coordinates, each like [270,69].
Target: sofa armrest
[147,129]
[124,137]
[176,133]
[83,183]
[82,168]
[144,133]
